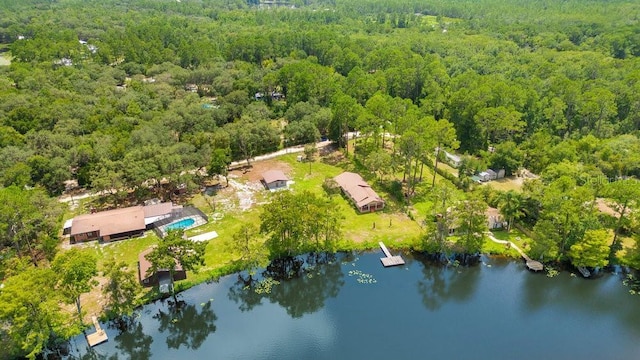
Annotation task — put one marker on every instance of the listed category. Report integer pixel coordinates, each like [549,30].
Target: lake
[353,308]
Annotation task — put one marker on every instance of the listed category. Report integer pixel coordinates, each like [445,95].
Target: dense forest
[121,94]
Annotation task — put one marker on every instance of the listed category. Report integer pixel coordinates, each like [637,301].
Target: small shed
[500,173]
[274,179]
[484,176]
[492,174]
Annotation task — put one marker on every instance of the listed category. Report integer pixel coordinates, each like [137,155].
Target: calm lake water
[354,308]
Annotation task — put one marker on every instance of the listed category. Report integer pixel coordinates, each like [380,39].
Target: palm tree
[510,206]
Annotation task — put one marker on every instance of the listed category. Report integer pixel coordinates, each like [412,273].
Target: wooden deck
[97,337]
[390,260]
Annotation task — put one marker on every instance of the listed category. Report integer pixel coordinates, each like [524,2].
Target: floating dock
[97,337]
[390,260]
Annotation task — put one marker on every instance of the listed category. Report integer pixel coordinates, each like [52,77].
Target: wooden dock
[531,264]
[99,336]
[390,260]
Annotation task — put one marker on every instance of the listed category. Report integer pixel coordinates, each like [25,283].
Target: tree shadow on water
[242,292]
[299,285]
[134,343]
[444,283]
[185,324]
[305,294]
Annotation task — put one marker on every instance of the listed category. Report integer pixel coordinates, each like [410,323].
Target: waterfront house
[359,192]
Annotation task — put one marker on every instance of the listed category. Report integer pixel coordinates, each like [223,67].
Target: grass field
[505,184]
[5,56]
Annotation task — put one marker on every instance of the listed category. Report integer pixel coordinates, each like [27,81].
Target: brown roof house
[274,180]
[360,193]
[116,224]
[160,277]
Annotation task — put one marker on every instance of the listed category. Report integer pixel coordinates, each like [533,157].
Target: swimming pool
[182,224]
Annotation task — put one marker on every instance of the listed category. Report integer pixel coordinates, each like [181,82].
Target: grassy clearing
[505,184]
[447,168]
[5,60]
[515,236]
[5,56]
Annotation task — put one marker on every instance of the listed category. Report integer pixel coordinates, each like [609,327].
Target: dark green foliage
[121,291]
[301,222]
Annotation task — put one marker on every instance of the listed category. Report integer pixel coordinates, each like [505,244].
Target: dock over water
[99,336]
[390,260]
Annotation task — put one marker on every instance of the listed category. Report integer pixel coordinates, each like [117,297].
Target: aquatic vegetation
[362,278]
[264,286]
[632,283]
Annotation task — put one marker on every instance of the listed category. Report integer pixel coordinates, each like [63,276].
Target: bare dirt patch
[254,173]
[245,189]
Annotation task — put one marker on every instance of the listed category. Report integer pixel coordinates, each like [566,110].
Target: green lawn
[515,236]
[505,184]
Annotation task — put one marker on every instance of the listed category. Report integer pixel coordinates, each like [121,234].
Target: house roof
[145,264]
[157,209]
[357,188]
[110,222]
[274,175]
[118,221]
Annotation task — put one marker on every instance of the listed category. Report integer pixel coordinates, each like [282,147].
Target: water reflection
[443,283]
[573,294]
[134,343]
[321,280]
[243,293]
[185,324]
[305,284]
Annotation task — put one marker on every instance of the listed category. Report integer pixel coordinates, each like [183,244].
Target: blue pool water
[182,224]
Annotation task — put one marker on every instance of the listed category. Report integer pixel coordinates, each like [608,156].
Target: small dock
[99,336]
[390,260]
